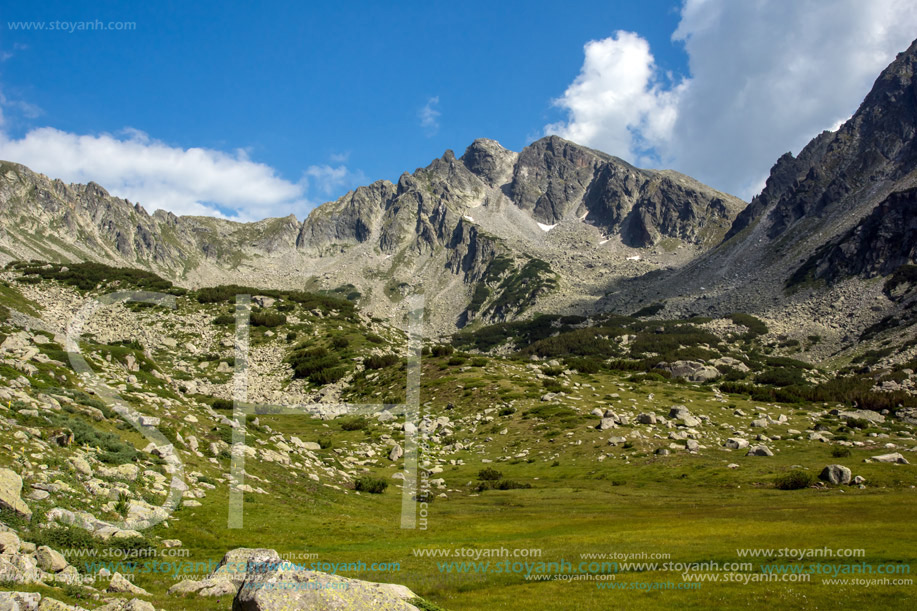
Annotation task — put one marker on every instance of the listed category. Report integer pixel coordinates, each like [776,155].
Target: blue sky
[307,100]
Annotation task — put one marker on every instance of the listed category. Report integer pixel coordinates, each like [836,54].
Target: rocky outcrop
[558,180]
[882,242]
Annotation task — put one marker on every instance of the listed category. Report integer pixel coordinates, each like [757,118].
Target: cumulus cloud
[185,181]
[429,116]
[328,180]
[619,100]
[765,77]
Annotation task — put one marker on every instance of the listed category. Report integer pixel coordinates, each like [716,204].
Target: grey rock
[836,474]
[894,457]
[10,490]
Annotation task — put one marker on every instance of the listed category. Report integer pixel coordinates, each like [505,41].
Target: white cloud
[765,77]
[429,116]
[617,102]
[329,180]
[185,181]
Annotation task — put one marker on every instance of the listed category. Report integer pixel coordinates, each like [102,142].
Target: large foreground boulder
[260,580]
[288,588]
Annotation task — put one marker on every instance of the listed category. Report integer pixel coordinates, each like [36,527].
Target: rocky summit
[490,236]
[509,380]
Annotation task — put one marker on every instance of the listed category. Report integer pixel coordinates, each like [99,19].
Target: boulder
[759,451]
[50,560]
[396,453]
[135,604]
[606,423]
[835,474]
[80,465]
[681,413]
[894,457]
[19,601]
[646,419]
[289,588]
[121,585]
[9,544]
[10,489]
[736,443]
[859,414]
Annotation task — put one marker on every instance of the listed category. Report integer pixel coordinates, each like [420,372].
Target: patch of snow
[546,228]
[603,242]
[585,214]
[465,216]
[634,258]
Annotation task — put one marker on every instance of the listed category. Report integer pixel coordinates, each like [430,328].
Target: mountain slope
[828,221]
[486,236]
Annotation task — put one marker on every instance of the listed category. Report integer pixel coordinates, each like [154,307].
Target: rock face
[836,474]
[10,490]
[556,179]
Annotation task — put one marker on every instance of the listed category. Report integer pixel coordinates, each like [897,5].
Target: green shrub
[328,375]
[489,474]
[479,361]
[122,505]
[796,479]
[585,364]
[444,350]
[755,326]
[780,377]
[380,361]
[222,404]
[840,452]
[268,319]
[457,360]
[224,319]
[340,342]
[354,423]
[372,485]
